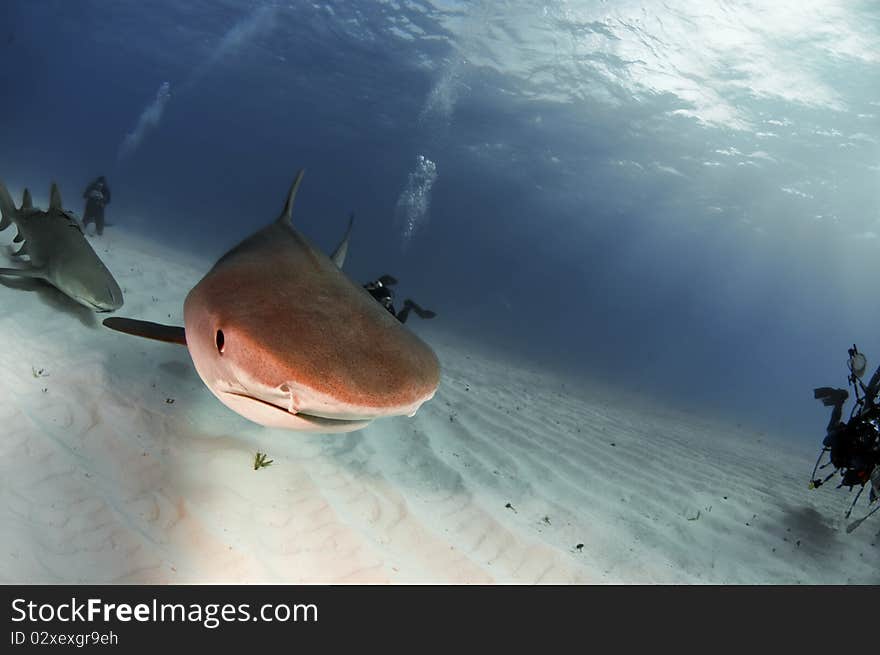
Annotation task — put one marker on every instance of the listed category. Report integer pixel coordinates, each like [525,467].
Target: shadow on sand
[52,297]
[180,369]
[818,533]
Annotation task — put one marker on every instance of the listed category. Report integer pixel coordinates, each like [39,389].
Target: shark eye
[221,341]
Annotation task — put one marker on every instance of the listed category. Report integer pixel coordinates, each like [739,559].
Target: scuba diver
[381,291]
[97,196]
[853,446]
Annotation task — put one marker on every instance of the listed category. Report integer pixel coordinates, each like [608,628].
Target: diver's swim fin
[830,396]
[421,313]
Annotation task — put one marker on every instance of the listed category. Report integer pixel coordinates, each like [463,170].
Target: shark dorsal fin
[291,196]
[26,200]
[55,198]
[338,256]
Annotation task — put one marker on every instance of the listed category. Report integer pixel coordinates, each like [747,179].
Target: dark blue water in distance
[681,201]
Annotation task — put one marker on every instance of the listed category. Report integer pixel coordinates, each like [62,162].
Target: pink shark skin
[284,338]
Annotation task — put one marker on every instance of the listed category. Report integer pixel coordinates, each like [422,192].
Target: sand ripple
[117,465]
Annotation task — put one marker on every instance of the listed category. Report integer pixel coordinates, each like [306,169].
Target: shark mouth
[98,309]
[332,424]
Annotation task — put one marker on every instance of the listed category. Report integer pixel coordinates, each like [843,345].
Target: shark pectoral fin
[147,330]
[341,251]
[24,272]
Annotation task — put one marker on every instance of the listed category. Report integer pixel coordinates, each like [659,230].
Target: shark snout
[98,295]
[114,298]
[109,301]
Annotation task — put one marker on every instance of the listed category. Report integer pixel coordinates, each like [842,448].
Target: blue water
[681,198]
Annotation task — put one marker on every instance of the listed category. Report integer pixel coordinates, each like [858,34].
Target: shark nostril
[221,341]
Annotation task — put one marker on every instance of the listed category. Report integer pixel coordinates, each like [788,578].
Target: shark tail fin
[55,198]
[287,213]
[7,208]
[26,200]
[341,251]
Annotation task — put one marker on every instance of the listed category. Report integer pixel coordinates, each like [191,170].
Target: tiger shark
[59,252]
[283,337]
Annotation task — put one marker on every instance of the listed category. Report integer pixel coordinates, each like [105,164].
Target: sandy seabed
[118,466]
